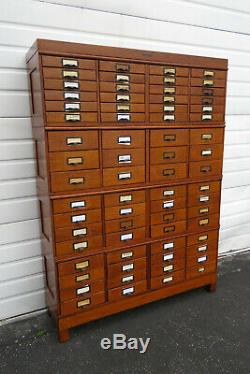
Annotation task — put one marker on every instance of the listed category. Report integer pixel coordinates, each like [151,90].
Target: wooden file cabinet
[129,151]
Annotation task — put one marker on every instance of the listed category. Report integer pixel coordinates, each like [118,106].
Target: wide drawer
[176,245]
[203,188]
[68,119]
[84,231]
[123,292]
[118,78]
[123,176]
[168,81]
[85,290]
[75,204]
[202,152]
[168,117]
[121,67]
[59,84]
[205,168]
[209,92]
[71,74]
[117,157]
[164,155]
[198,250]
[168,70]
[133,98]
[81,304]
[202,238]
[123,117]
[74,160]
[168,172]
[75,180]
[209,73]
[61,106]
[168,99]
[208,82]
[166,264]
[172,192]
[203,223]
[167,280]
[121,88]
[200,269]
[82,265]
[168,217]
[72,140]
[69,96]
[204,209]
[122,255]
[167,138]
[125,238]
[77,219]
[132,210]
[204,117]
[125,223]
[79,245]
[120,270]
[167,229]
[123,139]
[70,63]
[124,198]
[168,205]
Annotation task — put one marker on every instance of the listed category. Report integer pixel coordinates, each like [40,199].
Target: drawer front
[167,138]
[125,158]
[168,108]
[202,210]
[202,152]
[209,73]
[122,107]
[168,99]
[123,117]
[74,160]
[121,67]
[208,92]
[201,269]
[85,290]
[123,139]
[121,88]
[158,89]
[202,259]
[85,245]
[75,204]
[68,96]
[205,168]
[118,78]
[168,205]
[71,74]
[167,80]
[67,84]
[67,119]
[166,117]
[206,100]
[125,238]
[124,198]
[164,155]
[167,280]
[125,280]
[81,304]
[133,98]
[73,105]
[82,265]
[123,176]
[206,136]
[168,229]
[126,254]
[122,224]
[208,82]
[77,219]
[70,63]
[170,71]
[207,108]
[203,198]
[176,245]
[198,250]
[72,140]
[203,188]
[202,238]
[117,212]
[206,117]
[82,279]
[123,269]
[159,266]
[168,172]
[84,231]
[203,223]
[172,192]
[75,180]
[123,292]
[168,217]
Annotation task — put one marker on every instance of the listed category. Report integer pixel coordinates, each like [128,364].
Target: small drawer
[69,96]
[79,305]
[81,245]
[68,119]
[80,280]
[208,73]
[116,212]
[168,108]
[70,106]
[123,139]
[119,270]
[208,92]
[121,67]
[75,204]
[122,117]
[168,192]
[123,292]
[204,209]
[158,89]
[123,176]
[121,78]
[167,70]
[200,269]
[203,198]
[124,198]
[206,117]
[168,98]
[199,250]
[72,85]
[117,157]
[86,289]
[167,138]
[122,108]
[122,255]
[205,168]
[207,108]
[80,233]
[168,217]
[77,219]
[126,223]
[168,117]
[75,180]
[68,62]
[203,188]
[123,98]
[202,238]
[71,74]
[122,88]
[73,160]
[72,140]
[166,264]
[167,280]
[168,80]
[126,280]
[176,245]
[203,223]
[207,100]
[168,229]
[208,82]
[202,152]
[168,172]
[125,238]
[164,155]
[83,265]
[168,205]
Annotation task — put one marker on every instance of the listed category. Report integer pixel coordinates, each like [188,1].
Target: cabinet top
[54,47]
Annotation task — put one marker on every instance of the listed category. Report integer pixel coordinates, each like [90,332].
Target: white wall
[218,28]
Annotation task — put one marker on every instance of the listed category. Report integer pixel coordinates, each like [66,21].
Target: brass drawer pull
[202,238]
[78,204]
[168,172]
[126,225]
[169,155]
[71,96]
[208,73]
[127,254]
[169,138]
[169,229]
[71,85]
[168,217]
[168,268]
[72,106]
[81,278]
[201,270]
[168,204]
[73,141]
[79,232]
[168,193]
[122,97]
[202,259]
[77,180]
[125,237]
[205,188]
[169,117]
[169,109]
[78,218]
[208,82]
[122,87]
[125,211]
[169,71]
[202,249]
[206,152]
[125,198]
[204,198]
[168,80]
[167,279]
[82,265]
[206,117]
[73,117]
[207,108]
[83,290]
[123,108]
[169,99]
[169,90]
[123,117]
[120,78]
[80,246]
[168,245]
[70,74]
[124,159]
[204,210]
[128,267]
[75,161]
[206,136]
[123,68]
[205,169]
[207,101]
[128,291]
[69,63]
[203,222]
[127,279]
[82,303]
[125,175]
[125,140]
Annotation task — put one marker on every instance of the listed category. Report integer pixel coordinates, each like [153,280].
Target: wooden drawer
[75,180]
[72,140]
[69,74]
[198,250]
[171,90]
[121,88]
[166,264]
[207,100]
[126,223]
[202,152]
[81,279]
[168,81]
[69,96]
[61,106]
[168,117]
[203,199]
[124,198]
[168,172]
[205,168]
[122,176]
[164,155]
[123,139]
[68,119]
[203,188]
[123,118]
[125,238]
[77,219]
[84,231]
[201,210]
[59,84]
[168,99]
[209,92]
[208,82]
[168,108]
[125,280]
[75,204]
[168,205]
[78,245]
[167,138]
[206,108]
[176,245]
[87,289]
[168,71]
[69,63]
[119,78]
[167,280]
[209,73]
[168,217]
[122,255]
[117,157]
[171,192]
[122,98]
[122,108]
[206,117]
[200,269]
[202,238]
[81,304]
[124,292]
[83,265]
[74,160]
[121,67]
[167,229]
[119,270]
[203,223]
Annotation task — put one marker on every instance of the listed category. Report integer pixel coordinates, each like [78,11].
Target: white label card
[128,267]
[72,95]
[202,248]
[77,204]
[81,245]
[125,198]
[128,291]
[168,192]
[72,106]
[124,175]
[72,85]
[126,140]
[168,245]
[83,290]
[128,279]
[202,259]
[168,204]
[127,254]
[124,159]
[79,232]
[204,198]
[126,211]
[168,268]
[169,256]
[168,279]
[127,236]
[80,218]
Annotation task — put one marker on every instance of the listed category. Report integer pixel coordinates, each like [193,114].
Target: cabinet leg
[211,287]
[63,335]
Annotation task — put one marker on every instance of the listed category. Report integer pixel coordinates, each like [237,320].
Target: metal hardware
[83,303]
[203,222]
[169,229]
[80,246]
[208,73]
[83,290]
[122,67]
[169,109]
[123,117]
[79,218]
[169,138]
[169,117]
[82,265]
[128,291]
[122,108]
[168,80]
[169,99]
[128,267]
[202,249]
[207,108]
[73,117]
[75,161]
[71,96]
[207,136]
[69,63]
[205,188]
[206,169]
[72,106]
[71,85]
[208,82]
[125,211]
[127,254]
[70,74]
[206,117]
[168,245]
[80,232]
[76,180]
[125,140]
[168,217]
[83,277]
[122,78]
[122,87]
[206,152]
[169,90]
[124,159]
[78,204]
[124,175]
[168,257]
[129,278]
[168,268]
[204,210]
[202,259]
[74,141]
[201,270]
[122,97]
[168,155]
[125,237]
[167,279]
[168,204]
[202,238]
[169,71]
[168,172]
[168,192]
[204,198]
[125,198]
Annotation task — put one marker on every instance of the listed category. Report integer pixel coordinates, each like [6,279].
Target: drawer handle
[78,204]
[128,291]
[201,270]
[168,80]
[82,265]
[169,71]
[123,117]
[168,268]
[122,68]
[205,187]
[126,225]
[168,217]
[73,117]
[122,98]
[77,180]
[204,210]
[202,259]
[208,82]
[202,238]
[169,229]
[169,108]
[168,257]
[168,172]
[125,198]
[169,138]
[124,159]
[208,73]
[74,141]
[123,108]
[75,161]
[71,96]
[71,85]
[205,169]
[202,249]
[128,267]
[169,155]
[83,290]
[125,140]
[207,117]
[80,246]
[168,204]
[79,232]
[70,74]
[79,218]
[169,90]
[167,279]
[125,211]
[169,99]
[204,198]
[169,117]
[168,245]
[203,222]
[125,237]
[72,106]
[168,193]
[207,101]
[206,136]
[125,175]
[82,303]
[122,78]
[207,108]
[81,278]
[122,87]
[69,63]
[206,152]
[127,254]
[127,279]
